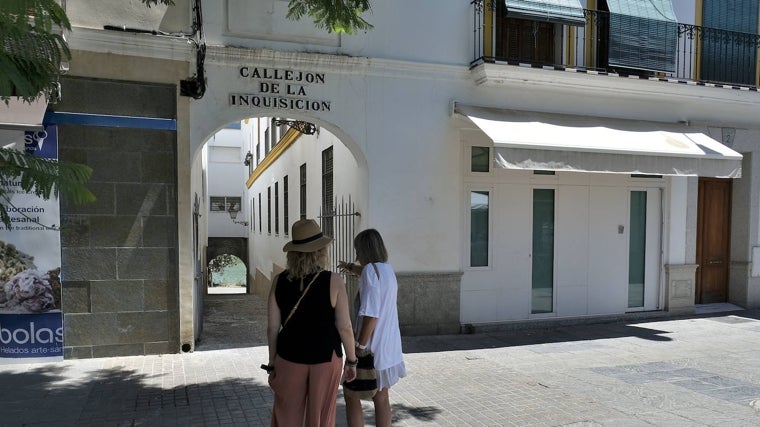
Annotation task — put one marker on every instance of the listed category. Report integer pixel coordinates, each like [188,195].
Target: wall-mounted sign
[31,320]
[280,89]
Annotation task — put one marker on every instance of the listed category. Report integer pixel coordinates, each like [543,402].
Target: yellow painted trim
[290,137]
[698,51]
[590,51]
[698,12]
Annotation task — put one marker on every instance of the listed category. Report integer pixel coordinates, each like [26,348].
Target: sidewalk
[697,371]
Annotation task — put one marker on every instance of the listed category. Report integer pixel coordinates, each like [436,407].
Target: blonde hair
[301,264]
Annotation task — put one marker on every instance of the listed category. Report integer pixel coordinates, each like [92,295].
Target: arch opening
[227,274]
[255,178]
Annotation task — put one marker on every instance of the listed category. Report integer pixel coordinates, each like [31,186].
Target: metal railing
[341,222]
[702,54]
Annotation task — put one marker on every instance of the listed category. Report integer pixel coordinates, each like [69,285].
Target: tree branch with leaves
[44,178]
[33,48]
[334,16]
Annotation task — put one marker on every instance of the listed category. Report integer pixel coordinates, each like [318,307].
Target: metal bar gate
[340,224]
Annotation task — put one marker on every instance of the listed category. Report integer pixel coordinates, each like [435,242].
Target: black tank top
[310,336]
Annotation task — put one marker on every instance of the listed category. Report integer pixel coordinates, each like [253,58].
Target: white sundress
[378,298]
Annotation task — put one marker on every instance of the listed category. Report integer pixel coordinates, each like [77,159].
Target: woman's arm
[350,268]
[368,327]
[339,298]
[371,297]
[274,320]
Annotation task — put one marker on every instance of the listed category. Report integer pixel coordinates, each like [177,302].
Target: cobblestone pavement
[692,371]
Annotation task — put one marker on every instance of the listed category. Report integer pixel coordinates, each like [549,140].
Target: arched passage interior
[285,171]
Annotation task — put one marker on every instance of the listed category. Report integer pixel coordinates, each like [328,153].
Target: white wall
[348,181]
[591,250]
[226,176]
[398,129]
[390,91]
[130,14]
[262,24]
[685,11]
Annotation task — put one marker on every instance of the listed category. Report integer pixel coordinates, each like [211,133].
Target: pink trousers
[308,390]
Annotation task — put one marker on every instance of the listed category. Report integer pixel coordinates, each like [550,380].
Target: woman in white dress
[377,328]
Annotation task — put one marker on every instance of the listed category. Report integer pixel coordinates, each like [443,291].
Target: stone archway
[261,250]
[235,246]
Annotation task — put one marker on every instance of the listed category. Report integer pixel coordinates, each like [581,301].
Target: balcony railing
[690,52]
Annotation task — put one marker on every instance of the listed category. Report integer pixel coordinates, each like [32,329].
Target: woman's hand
[346,267]
[349,373]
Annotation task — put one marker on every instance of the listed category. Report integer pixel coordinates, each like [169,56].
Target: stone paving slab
[696,371]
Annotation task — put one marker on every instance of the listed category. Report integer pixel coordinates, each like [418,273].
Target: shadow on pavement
[403,412]
[562,334]
[114,396]
[427,344]
[52,396]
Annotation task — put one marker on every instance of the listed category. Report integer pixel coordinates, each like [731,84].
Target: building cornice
[489,76]
[502,75]
[704,104]
[131,44]
[182,49]
[340,64]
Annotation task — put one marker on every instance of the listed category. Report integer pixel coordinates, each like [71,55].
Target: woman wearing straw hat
[308,321]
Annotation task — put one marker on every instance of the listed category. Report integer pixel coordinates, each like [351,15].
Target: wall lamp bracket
[306,128]
[233,211]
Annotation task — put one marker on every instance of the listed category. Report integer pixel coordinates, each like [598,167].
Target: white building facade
[508,184]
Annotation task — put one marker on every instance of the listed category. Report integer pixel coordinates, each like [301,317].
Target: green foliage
[155,2]
[338,16]
[219,263]
[33,48]
[335,16]
[42,177]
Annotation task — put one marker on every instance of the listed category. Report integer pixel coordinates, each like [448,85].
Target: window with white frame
[479,228]
[224,203]
[269,210]
[302,191]
[480,159]
[327,192]
[285,207]
[276,208]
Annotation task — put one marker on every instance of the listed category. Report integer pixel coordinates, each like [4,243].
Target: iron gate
[340,224]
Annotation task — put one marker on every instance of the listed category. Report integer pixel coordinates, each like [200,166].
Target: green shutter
[643,35]
[567,12]
[729,57]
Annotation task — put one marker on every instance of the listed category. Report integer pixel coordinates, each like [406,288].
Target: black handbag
[364,386]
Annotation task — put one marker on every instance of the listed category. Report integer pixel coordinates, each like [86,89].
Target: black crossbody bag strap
[299,301]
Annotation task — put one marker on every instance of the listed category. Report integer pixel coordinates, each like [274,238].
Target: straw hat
[307,237]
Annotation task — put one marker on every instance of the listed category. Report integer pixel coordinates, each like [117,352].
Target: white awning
[541,141]
[18,114]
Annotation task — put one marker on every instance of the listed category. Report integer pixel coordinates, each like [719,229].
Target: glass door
[542,286]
